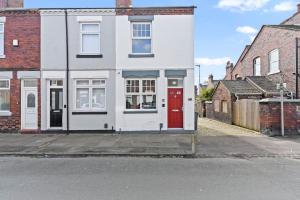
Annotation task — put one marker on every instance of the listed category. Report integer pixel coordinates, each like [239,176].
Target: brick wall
[209,110]
[25,27]
[11,3]
[157,11]
[270,117]
[268,40]
[222,94]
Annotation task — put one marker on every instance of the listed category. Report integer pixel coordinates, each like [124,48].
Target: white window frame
[90,87]
[5,89]
[2,41]
[255,66]
[141,38]
[140,93]
[273,71]
[89,33]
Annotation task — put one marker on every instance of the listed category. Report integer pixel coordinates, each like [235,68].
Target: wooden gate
[246,114]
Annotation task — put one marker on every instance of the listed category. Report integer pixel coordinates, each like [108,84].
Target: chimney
[229,67]
[123,3]
[210,79]
[298,7]
[11,4]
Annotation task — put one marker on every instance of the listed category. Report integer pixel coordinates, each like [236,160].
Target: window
[274,61]
[217,106]
[90,95]
[175,83]
[141,94]
[256,64]
[4,95]
[90,38]
[224,106]
[141,38]
[1,39]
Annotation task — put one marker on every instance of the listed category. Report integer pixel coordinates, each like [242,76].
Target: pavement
[214,140]
[220,140]
[128,178]
[82,145]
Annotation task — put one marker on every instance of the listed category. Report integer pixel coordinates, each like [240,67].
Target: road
[149,179]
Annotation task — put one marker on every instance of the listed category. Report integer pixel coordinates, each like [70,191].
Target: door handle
[56,111]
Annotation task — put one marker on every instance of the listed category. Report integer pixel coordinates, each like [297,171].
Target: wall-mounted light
[15,43]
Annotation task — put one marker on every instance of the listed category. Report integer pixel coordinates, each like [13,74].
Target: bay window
[4,95]
[141,38]
[90,38]
[141,94]
[90,95]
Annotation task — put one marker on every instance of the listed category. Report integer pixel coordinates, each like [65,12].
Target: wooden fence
[246,114]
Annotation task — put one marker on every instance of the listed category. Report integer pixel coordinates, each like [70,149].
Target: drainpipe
[67,70]
[297,72]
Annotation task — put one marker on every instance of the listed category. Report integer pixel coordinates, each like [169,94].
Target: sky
[222,27]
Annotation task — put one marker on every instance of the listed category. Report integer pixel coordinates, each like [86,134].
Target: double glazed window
[274,61]
[4,95]
[141,38]
[90,38]
[257,66]
[1,39]
[90,95]
[141,94]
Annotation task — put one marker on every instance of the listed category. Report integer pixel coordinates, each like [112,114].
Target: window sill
[140,112]
[5,114]
[275,72]
[2,56]
[89,56]
[151,55]
[89,113]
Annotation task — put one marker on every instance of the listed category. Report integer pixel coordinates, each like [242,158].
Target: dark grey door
[56,107]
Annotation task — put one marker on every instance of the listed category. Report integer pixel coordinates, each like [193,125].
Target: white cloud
[285,6]
[242,5]
[246,30]
[212,61]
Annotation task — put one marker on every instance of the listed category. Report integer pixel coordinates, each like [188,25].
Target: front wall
[172,38]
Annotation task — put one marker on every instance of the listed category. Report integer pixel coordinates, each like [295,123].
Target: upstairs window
[1,39]
[90,38]
[4,95]
[141,38]
[274,61]
[257,67]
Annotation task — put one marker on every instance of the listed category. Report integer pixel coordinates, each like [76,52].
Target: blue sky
[223,27]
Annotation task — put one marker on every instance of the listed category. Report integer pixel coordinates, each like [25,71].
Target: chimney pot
[123,3]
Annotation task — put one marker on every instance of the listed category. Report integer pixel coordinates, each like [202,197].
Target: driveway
[216,139]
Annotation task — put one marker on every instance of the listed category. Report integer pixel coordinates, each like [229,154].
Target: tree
[206,94]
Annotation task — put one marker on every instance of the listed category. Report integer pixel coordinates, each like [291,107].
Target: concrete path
[217,139]
[80,145]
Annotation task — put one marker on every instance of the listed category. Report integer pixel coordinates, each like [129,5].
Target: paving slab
[82,145]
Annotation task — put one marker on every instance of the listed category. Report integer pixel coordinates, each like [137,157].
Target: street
[149,178]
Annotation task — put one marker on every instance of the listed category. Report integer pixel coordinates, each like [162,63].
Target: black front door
[56,107]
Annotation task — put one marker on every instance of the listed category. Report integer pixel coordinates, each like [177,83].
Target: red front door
[175,108]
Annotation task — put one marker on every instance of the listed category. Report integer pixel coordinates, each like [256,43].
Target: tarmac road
[114,178]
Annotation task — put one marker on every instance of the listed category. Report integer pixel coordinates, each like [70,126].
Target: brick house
[271,54]
[19,67]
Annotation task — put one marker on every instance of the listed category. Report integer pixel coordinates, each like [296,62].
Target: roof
[288,19]
[263,83]
[240,87]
